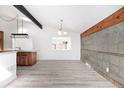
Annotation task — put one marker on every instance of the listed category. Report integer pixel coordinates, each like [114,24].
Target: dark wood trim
[22,9]
[1,40]
[113,19]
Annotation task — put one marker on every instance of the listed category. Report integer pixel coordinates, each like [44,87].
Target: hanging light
[61,28]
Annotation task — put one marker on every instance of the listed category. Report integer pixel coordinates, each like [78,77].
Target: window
[61,43]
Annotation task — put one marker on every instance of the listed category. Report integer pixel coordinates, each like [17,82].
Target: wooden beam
[113,19]
[22,9]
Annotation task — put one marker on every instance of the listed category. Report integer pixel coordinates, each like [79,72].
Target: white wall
[8,28]
[7,13]
[42,41]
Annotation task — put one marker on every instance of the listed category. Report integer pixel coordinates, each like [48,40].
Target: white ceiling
[76,18]
[8,12]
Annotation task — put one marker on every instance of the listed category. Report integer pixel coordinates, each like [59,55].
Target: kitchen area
[16,46]
[7,63]
[20,55]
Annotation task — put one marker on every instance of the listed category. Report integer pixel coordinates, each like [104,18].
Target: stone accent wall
[104,51]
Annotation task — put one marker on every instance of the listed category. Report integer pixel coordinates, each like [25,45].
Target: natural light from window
[61,43]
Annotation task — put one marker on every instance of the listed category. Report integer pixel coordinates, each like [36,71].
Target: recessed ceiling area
[75,18]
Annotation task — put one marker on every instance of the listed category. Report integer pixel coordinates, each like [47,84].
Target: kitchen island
[7,67]
[26,58]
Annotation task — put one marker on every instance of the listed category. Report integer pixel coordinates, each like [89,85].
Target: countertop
[7,52]
[2,51]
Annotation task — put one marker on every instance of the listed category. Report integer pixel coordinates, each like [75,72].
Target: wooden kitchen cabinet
[1,40]
[25,58]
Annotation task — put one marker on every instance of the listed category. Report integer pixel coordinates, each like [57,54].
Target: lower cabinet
[26,58]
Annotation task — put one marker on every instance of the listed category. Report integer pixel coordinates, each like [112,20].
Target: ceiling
[8,12]
[75,18]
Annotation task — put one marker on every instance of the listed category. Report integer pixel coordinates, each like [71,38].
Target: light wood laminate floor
[58,74]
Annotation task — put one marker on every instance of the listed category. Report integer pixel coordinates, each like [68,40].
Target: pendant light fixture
[60,32]
[60,28]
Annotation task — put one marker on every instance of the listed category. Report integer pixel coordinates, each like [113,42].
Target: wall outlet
[107,69]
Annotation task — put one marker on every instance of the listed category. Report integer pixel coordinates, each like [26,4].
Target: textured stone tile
[114,72]
[114,60]
[106,61]
[121,62]
[121,72]
[121,48]
[109,40]
[120,26]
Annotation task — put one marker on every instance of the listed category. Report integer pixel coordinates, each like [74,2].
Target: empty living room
[61,45]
